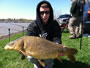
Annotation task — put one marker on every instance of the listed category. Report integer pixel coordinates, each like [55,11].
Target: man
[44,26]
[75,24]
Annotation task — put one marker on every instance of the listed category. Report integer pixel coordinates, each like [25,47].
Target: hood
[38,18]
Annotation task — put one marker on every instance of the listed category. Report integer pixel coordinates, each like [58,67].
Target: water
[14,27]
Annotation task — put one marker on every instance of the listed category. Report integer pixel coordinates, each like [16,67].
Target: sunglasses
[46,12]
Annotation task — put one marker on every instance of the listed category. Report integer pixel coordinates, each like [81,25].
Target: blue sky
[27,8]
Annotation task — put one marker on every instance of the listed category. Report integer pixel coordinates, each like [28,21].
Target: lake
[14,27]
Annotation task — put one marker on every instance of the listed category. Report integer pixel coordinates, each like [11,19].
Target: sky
[27,8]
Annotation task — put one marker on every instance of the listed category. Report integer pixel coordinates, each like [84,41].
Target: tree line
[9,20]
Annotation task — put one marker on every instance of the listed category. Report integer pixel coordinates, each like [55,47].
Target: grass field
[12,59]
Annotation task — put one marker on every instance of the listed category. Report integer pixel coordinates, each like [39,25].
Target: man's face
[45,14]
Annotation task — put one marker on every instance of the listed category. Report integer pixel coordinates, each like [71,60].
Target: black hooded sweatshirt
[51,31]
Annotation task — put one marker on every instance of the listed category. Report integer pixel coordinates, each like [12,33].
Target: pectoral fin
[42,63]
[59,59]
[23,53]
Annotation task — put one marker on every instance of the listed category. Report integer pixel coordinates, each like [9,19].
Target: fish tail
[73,51]
[72,58]
[70,54]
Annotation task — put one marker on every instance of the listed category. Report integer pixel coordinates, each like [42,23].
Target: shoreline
[7,36]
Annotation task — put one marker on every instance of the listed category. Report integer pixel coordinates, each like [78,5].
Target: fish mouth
[8,47]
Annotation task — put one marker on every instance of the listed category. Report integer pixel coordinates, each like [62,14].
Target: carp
[40,48]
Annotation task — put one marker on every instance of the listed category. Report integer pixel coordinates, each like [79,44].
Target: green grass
[12,59]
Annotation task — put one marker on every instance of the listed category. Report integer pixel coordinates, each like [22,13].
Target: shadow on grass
[69,64]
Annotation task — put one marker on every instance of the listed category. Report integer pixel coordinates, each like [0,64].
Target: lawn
[12,59]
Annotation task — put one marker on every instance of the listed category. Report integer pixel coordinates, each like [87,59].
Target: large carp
[40,48]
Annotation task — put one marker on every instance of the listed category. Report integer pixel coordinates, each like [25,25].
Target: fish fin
[70,53]
[72,58]
[59,59]
[42,63]
[23,53]
[23,57]
[73,51]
